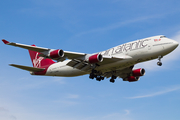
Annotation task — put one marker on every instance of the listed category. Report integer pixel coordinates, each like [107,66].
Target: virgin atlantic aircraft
[115,62]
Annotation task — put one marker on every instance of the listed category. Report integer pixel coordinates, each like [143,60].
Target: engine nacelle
[95,58]
[138,72]
[132,79]
[56,54]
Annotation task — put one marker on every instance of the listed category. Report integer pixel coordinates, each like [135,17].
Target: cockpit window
[163,37]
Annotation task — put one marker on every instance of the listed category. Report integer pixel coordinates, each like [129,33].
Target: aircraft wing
[29,47]
[84,66]
[114,58]
[122,73]
[45,51]
[74,55]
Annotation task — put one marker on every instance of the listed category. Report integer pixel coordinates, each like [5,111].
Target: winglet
[5,41]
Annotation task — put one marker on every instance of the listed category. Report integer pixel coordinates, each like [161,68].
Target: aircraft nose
[175,43]
[170,45]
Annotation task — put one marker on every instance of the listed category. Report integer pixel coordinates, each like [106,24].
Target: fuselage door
[149,47]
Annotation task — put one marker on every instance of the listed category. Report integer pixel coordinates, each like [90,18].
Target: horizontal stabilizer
[31,69]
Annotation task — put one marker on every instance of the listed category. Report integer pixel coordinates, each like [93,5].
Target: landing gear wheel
[98,78]
[112,80]
[102,78]
[159,63]
[91,76]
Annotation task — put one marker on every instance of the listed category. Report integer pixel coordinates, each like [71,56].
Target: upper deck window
[163,37]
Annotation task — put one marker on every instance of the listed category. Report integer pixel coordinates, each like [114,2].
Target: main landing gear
[94,74]
[113,79]
[97,75]
[159,63]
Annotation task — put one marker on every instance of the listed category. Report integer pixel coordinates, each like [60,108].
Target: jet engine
[95,58]
[56,54]
[132,79]
[138,72]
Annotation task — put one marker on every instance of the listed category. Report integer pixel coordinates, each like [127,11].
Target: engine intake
[56,54]
[95,58]
[138,72]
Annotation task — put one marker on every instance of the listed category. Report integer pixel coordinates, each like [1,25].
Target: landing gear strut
[112,79]
[94,74]
[159,63]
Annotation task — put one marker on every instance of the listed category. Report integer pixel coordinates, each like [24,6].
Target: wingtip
[12,65]
[5,41]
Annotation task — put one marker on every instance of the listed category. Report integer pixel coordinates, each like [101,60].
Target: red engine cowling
[95,58]
[56,54]
[138,72]
[132,79]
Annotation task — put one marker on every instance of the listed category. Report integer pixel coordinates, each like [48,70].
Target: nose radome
[175,43]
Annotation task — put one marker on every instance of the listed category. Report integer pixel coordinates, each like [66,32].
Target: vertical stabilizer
[39,62]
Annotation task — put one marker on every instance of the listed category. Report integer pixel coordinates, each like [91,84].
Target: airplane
[115,62]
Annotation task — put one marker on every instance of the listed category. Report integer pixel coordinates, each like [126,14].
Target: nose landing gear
[159,63]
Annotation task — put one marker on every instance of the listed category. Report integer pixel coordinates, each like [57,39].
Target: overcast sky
[87,27]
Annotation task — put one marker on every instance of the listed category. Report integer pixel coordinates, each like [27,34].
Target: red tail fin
[39,62]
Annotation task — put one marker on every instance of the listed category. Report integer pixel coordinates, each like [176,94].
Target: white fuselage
[140,51]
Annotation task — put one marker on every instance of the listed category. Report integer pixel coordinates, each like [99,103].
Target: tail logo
[37,61]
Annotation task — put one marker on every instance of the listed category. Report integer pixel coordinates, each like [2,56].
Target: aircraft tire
[112,80]
[159,63]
